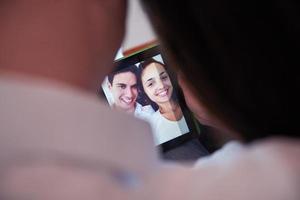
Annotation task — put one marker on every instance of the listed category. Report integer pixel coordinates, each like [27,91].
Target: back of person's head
[239,57]
[66,41]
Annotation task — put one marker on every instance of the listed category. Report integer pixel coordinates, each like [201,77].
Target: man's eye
[122,87]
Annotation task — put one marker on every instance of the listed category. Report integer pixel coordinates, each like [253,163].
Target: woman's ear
[194,103]
[201,112]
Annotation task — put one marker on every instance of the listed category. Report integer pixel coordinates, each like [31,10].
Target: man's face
[124,91]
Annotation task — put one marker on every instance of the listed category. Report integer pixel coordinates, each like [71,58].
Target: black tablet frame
[193,126]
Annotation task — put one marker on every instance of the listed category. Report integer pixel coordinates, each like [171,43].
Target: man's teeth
[128,101]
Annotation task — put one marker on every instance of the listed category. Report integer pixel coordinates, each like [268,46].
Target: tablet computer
[144,85]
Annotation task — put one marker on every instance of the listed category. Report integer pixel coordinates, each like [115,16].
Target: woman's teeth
[162,93]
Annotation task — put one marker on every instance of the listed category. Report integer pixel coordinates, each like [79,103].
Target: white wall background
[138,27]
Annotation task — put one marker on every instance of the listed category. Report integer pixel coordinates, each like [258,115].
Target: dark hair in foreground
[241,56]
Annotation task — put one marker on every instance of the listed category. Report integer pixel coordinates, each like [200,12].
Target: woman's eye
[150,85]
[164,78]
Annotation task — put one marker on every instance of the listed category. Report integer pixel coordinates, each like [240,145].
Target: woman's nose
[160,84]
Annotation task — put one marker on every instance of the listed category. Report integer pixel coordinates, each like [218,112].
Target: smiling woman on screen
[168,121]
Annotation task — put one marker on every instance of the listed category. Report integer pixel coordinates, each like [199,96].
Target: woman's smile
[162,92]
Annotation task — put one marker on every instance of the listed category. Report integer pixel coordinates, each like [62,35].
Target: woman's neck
[170,110]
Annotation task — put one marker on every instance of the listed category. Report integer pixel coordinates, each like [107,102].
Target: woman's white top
[165,130]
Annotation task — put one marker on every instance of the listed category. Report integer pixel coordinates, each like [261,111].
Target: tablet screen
[145,87]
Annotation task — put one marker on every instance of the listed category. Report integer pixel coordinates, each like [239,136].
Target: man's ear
[109,85]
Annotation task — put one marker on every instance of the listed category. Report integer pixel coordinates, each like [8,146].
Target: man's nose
[129,92]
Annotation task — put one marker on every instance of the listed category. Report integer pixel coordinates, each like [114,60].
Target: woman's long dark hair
[241,56]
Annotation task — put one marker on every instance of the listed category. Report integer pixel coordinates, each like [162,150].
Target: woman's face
[156,83]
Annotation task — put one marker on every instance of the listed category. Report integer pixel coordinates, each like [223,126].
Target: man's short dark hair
[131,68]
